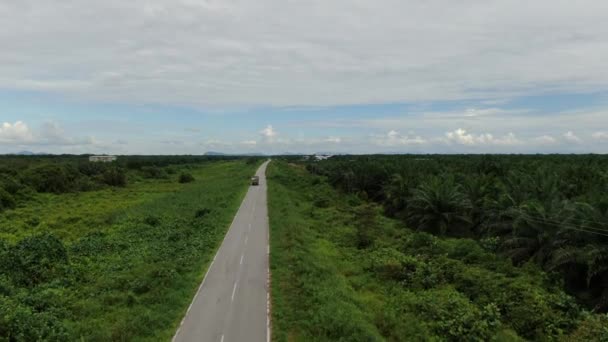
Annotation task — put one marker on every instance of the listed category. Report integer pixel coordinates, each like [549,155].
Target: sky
[315,76]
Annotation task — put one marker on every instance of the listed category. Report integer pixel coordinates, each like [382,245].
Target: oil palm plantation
[439,206]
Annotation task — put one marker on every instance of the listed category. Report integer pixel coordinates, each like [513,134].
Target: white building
[322,156]
[102,159]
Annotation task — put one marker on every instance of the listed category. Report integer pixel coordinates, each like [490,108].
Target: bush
[21,323]
[593,328]
[200,213]
[36,259]
[152,220]
[11,185]
[50,178]
[115,177]
[186,178]
[452,316]
[154,172]
[6,200]
[389,263]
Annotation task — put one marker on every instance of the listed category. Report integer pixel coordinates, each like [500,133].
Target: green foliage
[50,178]
[118,263]
[402,284]
[115,177]
[36,259]
[551,210]
[154,172]
[186,178]
[439,206]
[593,328]
[6,200]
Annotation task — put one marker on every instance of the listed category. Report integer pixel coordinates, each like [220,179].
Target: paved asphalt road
[232,303]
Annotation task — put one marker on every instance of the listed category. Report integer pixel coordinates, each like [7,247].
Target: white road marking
[250,227]
[234,291]
[242,256]
[246,239]
[222,339]
[205,277]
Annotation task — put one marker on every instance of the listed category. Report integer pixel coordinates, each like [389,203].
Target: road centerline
[217,313]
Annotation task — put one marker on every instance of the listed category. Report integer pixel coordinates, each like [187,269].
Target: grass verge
[134,256]
[341,271]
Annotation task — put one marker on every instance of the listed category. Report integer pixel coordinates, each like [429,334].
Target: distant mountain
[211,153]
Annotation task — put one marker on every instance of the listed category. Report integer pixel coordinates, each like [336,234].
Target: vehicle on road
[255,180]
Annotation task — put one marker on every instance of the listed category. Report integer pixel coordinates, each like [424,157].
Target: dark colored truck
[255,180]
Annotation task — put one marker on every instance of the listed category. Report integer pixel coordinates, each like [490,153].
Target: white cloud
[333,140]
[50,134]
[268,134]
[17,132]
[571,137]
[249,142]
[545,140]
[315,52]
[394,139]
[461,136]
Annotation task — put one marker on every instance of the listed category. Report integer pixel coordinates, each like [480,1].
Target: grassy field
[341,271]
[117,264]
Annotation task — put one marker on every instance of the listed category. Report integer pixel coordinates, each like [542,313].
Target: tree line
[550,210]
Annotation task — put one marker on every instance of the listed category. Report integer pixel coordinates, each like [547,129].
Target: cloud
[17,132]
[461,136]
[545,140]
[268,134]
[219,53]
[602,136]
[249,142]
[571,137]
[333,140]
[49,134]
[394,139]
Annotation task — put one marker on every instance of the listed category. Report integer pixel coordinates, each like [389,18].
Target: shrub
[453,316]
[37,259]
[389,263]
[366,225]
[6,200]
[186,178]
[200,213]
[21,323]
[115,177]
[50,178]
[11,185]
[593,328]
[154,172]
[152,220]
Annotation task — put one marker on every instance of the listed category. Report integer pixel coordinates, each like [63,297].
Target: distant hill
[212,153]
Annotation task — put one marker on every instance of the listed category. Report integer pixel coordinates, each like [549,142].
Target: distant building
[322,156]
[102,159]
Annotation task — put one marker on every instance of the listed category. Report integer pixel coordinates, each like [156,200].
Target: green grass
[341,271]
[136,254]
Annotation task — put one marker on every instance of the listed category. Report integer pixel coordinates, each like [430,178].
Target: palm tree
[439,206]
[396,193]
[536,231]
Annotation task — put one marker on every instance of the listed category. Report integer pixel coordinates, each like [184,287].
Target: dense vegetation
[102,252]
[438,248]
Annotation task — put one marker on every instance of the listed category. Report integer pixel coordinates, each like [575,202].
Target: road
[232,303]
